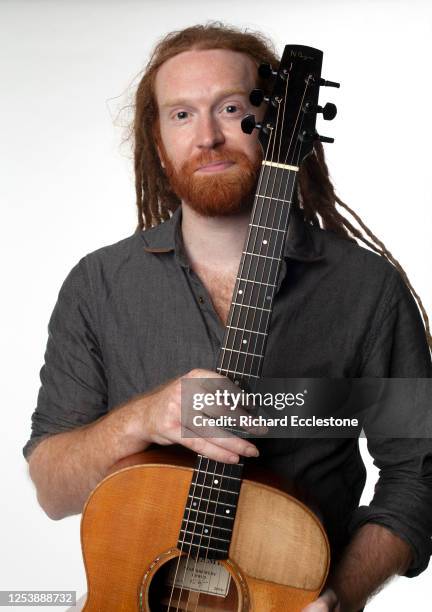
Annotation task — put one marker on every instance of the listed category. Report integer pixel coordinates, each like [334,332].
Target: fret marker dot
[244,341]
[205,530]
[236,382]
[216,481]
[227,511]
[264,241]
[268,297]
[194,504]
[240,291]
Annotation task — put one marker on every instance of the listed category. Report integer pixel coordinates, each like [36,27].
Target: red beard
[220,194]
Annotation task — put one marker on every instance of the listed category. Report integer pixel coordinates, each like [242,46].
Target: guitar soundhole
[183,584]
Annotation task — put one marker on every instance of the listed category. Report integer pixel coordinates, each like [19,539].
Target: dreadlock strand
[139,190]
[386,253]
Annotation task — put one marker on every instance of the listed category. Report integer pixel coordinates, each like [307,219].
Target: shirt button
[201,299]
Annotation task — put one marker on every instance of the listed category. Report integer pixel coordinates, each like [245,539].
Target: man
[151,309]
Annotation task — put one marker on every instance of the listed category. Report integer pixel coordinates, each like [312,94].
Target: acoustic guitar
[171,530]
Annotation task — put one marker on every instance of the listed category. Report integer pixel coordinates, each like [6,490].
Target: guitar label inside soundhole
[203,576]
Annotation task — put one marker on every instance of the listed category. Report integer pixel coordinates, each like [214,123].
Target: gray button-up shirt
[133,315]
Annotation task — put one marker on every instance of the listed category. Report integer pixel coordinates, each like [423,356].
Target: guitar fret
[242,352]
[247,306]
[215,488]
[220,475]
[227,516]
[246,280]
[204,535]
[250,331]
[260,255]
[209,501]
[272,229]
[273,198]
[206,525]
[235,372]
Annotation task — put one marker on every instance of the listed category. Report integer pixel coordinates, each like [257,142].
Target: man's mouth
[216,166]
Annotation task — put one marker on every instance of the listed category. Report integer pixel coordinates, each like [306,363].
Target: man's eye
[181,115]
[231,109]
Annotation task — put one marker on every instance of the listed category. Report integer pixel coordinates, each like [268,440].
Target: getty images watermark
[307,407]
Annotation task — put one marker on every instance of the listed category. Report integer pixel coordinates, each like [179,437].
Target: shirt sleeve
[402,500]
[73,388]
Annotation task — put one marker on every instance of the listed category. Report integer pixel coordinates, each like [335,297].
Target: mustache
[211,157]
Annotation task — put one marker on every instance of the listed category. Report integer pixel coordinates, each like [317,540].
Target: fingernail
[252,452]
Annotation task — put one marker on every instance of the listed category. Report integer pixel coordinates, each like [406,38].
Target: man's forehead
[193,71]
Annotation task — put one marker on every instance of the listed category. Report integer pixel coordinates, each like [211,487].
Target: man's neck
[214,243]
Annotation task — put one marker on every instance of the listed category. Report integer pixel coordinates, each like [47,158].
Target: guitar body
[278,556]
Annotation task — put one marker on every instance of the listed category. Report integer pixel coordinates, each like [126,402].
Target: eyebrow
[222,95]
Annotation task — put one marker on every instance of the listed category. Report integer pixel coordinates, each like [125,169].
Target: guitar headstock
[287,131]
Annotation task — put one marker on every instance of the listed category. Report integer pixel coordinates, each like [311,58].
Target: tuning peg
[324,83]
[257,96]
[329,111]
[323,138]
[248,124]
[266,71]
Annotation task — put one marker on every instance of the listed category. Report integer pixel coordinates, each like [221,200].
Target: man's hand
[65,467]
[327,602]
[157,418]
[373,556]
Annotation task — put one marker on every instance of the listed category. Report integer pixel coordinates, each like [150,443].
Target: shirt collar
[166,237]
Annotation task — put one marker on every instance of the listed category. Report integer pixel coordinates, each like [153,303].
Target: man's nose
[209,133]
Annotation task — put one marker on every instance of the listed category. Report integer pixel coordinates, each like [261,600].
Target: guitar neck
[243,347]
[215,487]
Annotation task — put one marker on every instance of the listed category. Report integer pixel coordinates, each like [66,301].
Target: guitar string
[186,524]
[192,538]
[241,269]
[271,172]
[241,276]
[271,225]
[254,313]
[241,307]
[221,486]
[242,301]
[223,464]
[193,494]
[287,184]
[281,223]
[228,368]
[223,353]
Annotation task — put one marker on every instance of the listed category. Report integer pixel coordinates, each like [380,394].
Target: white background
[66,187]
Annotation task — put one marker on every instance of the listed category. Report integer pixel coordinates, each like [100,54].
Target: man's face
[202,97]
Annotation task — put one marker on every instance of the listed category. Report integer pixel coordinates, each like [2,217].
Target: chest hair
[220,287]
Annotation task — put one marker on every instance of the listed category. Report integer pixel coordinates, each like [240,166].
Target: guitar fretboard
[244,343]
[213,496]
[210,510]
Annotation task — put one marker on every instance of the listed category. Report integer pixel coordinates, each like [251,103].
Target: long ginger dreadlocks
[155,199]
